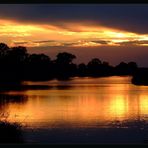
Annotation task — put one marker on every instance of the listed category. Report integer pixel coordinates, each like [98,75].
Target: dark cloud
[46,41]
[136,42]
[69,44]
[101,42]
[18,43]
[130,17]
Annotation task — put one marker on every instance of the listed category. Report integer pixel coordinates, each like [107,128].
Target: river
[80,110]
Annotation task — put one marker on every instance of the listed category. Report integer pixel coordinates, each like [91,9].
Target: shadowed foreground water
[80,110]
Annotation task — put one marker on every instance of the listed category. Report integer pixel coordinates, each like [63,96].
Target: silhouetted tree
[94,67]
[38,66]
[15,59]
[106,69]
[3,52]
[12,62]
[140,76]
[64,68]
[132,66]
[82,70]
[121,69]
[3,49]
[126,69]
[65,58]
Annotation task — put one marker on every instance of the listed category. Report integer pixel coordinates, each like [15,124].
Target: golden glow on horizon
[72,34]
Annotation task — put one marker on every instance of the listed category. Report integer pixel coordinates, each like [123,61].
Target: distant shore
[140,77]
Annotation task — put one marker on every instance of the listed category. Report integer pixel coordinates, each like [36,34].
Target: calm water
[81,110]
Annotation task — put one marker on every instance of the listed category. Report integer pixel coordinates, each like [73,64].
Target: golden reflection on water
[118,107]
[84,102]
[143,104]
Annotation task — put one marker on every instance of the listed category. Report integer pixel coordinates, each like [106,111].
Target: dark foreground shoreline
[10,133]
[120,135]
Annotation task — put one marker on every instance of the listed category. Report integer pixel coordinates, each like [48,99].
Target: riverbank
[140,77]
[10,132]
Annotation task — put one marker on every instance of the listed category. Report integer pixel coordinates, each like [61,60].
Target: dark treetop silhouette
[18,65]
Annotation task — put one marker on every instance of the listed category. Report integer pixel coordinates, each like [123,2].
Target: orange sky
[77,34]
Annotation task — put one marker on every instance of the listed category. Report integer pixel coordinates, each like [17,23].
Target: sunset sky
[111,32]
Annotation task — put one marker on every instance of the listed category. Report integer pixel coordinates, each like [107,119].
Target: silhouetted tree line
[16,65]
